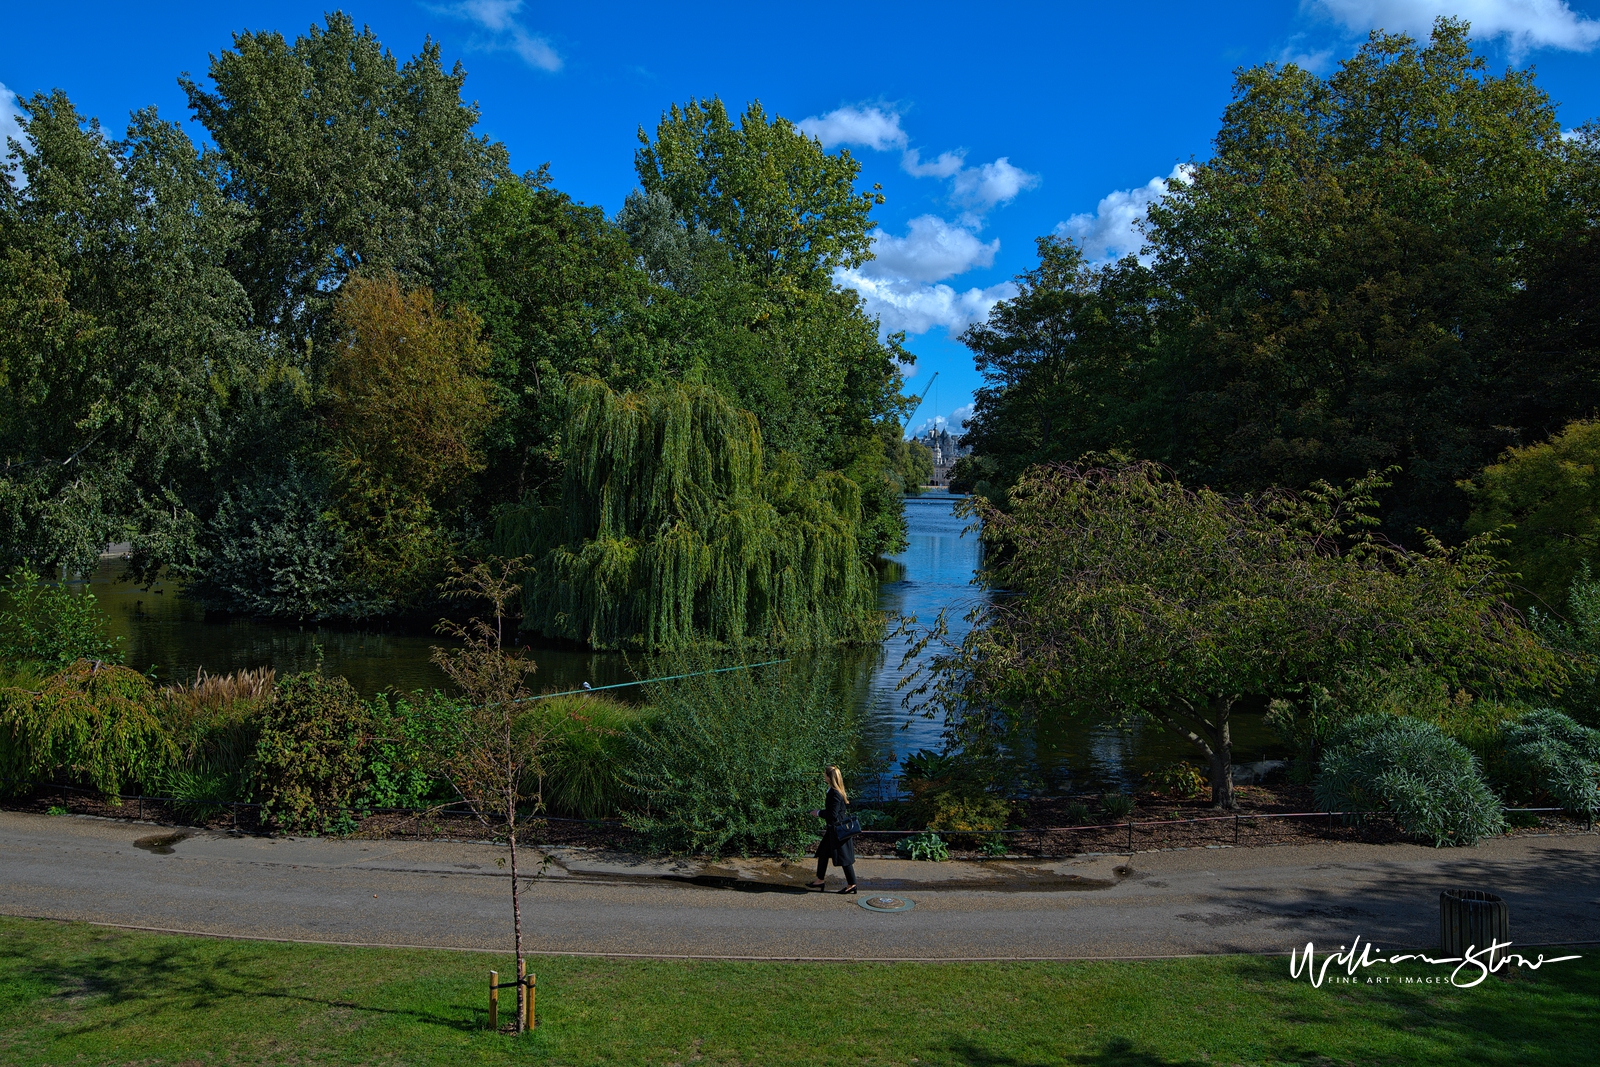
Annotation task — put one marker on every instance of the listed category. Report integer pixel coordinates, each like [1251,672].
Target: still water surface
[161,630]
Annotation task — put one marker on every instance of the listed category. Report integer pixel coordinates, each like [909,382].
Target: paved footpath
[456,895]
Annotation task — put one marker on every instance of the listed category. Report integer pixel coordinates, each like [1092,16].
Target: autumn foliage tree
[404,416]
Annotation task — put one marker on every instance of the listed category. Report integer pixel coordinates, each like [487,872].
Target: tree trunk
[1215,740]
[516,912]
[1221,755]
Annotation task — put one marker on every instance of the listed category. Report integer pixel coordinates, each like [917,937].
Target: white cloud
[1295,52]
[505,33]
[994,183]
[931,251]
[1111,232]
[1526,24]
[871,127]
[944,166]
[10,127]
[915,307]
[952,422]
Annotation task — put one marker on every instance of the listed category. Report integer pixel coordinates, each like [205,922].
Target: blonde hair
[836,780]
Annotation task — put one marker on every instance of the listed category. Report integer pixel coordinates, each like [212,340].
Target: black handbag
[846,828]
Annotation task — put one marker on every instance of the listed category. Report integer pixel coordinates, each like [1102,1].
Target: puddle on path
[161,844]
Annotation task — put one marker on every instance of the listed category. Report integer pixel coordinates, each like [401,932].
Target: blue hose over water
[647,681]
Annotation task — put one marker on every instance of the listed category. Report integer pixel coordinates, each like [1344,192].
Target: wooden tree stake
[494,1000]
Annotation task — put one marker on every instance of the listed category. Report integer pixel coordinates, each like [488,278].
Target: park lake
[161,631]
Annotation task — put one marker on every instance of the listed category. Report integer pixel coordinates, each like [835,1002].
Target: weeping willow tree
[674,530]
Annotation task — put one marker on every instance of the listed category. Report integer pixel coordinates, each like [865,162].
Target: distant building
[946,450]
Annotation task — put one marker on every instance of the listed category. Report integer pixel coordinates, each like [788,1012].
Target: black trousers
[822,870]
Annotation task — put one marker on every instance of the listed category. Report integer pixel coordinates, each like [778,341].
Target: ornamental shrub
[927,845]
[309,763]
[734,761]
[1550,753]
[1430,782]
[46,622]
[92,721]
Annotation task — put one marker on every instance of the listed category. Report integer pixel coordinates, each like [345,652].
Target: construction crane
[919,399]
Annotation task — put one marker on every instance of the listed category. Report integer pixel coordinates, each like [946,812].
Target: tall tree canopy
[742,226]
[305,368]
[765,190]
[123,337]
[1361,276]
[345,161]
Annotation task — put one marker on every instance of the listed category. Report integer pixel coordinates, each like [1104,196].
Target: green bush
[1548,752]
[1430,782]
[1178,779]
[582,775]
[411,737]
[734,761]
[1577,638]
[1116,805]
[873,819]
[927,845]
[46,622]
[91,721]
[309,767]
[1078,814]
[949,791]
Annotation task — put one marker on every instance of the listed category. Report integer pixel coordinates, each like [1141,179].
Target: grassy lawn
[76,994]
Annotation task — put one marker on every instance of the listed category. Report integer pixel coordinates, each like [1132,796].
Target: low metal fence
[1235,829]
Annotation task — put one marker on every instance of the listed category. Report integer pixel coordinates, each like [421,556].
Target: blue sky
[987,126]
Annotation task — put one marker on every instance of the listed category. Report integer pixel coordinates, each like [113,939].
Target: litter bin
[1471,918]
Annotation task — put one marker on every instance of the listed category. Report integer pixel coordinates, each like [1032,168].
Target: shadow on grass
[1118,1052]
[1535,1017]
[158,977]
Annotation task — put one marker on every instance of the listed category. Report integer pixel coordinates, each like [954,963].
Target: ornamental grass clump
[582,775]
[732,762]
[1550,754]
[1429,782]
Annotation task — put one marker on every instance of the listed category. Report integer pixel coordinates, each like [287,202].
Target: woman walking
[840,849]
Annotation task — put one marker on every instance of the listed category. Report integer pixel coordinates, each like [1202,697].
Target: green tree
[769,194]
[1352,281]
[742,227]
[560,292]
[123,340]
[1549,494]
[1121,592]
[345,161]
[675,527]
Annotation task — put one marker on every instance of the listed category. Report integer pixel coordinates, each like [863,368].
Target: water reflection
[163,632]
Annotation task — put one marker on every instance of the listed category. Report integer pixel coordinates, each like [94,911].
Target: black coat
[842,853]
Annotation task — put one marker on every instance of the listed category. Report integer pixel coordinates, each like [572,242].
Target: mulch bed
[1159,822]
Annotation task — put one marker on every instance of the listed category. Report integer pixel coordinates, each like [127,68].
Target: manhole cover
[886,903]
